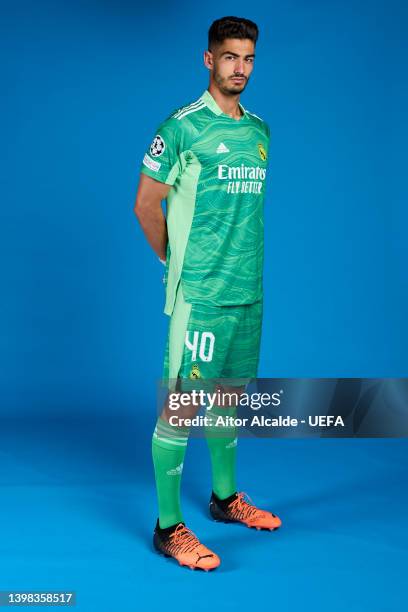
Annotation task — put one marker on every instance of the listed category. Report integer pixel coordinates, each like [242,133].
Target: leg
[171,537]
[242,329]
[169,443]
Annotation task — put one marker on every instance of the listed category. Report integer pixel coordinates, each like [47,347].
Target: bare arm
[150,214]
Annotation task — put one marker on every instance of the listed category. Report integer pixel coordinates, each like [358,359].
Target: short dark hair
[232,27]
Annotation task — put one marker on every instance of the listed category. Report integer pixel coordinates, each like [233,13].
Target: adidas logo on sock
[175,471]
[233,443]
[222,148]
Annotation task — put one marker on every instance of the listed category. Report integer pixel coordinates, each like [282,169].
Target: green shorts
[213,342]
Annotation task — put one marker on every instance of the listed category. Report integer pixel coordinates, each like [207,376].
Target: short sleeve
[162,158]
[268,131]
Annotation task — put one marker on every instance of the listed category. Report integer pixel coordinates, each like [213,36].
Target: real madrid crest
[195,372]
[262,152]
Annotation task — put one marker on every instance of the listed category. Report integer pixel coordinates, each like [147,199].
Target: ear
[208,60]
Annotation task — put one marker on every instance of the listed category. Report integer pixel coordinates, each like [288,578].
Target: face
[231,64]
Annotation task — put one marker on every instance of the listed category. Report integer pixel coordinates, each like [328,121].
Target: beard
[227,86]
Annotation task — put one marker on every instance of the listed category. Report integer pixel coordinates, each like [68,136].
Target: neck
[229,104]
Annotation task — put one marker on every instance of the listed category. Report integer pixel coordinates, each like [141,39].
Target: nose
[239,66]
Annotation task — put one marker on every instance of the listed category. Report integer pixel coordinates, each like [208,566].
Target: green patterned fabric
[217,168]
[212,342]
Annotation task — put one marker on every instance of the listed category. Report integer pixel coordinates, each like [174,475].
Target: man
[209,160]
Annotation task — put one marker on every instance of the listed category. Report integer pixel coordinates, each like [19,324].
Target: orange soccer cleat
[184,546]
[236,509]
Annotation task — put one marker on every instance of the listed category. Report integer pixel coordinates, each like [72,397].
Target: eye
[250,60]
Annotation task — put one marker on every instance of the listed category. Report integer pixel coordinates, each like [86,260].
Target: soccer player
[208,159]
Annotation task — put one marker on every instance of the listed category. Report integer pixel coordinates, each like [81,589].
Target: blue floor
[78,508]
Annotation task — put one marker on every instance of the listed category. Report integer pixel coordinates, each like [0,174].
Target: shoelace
[242,508]
[183,539]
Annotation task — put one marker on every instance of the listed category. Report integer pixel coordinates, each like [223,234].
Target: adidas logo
[175,471]
[233,443]
[222,148]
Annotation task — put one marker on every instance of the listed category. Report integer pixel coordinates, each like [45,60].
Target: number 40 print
[204,345]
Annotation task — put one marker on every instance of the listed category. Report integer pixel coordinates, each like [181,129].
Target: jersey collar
[210,102]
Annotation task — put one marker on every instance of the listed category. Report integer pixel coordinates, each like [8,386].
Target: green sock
[168,449]
[222,443]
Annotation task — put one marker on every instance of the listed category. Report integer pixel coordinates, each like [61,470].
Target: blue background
[86,84]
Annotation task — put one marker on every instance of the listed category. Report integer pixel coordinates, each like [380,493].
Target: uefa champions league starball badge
[157,147]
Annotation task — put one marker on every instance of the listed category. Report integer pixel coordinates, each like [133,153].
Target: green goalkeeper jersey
[217,168]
